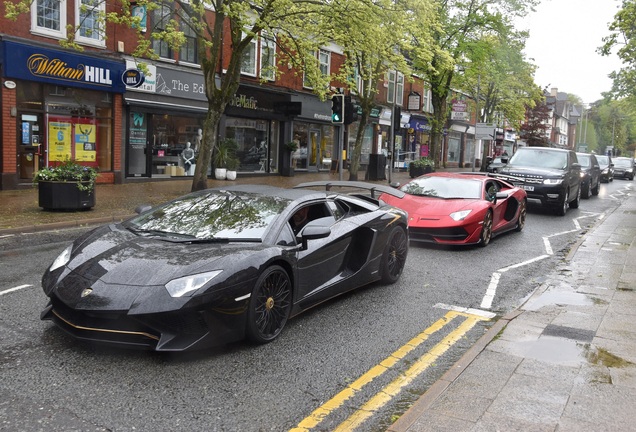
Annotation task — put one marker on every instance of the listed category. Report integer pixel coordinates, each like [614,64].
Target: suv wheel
[587,189]
[575,204]
[563,208]
[596,188]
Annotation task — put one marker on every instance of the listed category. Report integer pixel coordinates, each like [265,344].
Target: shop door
[314,159]
[138,155]
[30,143]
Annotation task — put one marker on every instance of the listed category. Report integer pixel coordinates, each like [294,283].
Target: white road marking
[491,291]
[14,289]
[471,311]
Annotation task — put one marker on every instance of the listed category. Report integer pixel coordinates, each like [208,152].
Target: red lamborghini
[460,208]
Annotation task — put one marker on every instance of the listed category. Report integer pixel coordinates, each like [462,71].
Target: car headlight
[605,171]
[583,174]
[62,258]
[555,181]
[188,284]
[460,215]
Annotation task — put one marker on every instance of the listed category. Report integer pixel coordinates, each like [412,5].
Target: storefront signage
[171,82]
[460,110]
[243,101]
[9,84]
[133,78]
[414,101]
[61,68]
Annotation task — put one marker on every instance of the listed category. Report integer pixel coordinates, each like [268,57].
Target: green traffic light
[335,117]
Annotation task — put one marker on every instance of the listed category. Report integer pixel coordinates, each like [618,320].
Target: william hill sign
[61,68]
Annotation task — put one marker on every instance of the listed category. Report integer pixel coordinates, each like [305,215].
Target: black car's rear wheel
[270,305]
[587,189]
[394,256]
[576,201]
[565,203]
[486,230]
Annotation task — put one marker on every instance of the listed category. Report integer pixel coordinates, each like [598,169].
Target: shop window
[87,14]
[48,18]
[268,57]
[160,19]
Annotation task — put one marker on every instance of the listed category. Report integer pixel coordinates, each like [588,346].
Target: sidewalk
[19,211]
[566,361]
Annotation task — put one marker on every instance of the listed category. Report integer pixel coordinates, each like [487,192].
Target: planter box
[64,196]
[416,171]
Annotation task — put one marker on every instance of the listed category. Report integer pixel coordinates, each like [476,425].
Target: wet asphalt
[564,361]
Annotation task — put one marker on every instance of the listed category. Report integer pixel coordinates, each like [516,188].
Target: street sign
[485,131]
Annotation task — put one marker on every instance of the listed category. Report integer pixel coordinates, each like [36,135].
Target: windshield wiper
[160,233]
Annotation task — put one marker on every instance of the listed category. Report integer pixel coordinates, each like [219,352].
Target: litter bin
[377,167]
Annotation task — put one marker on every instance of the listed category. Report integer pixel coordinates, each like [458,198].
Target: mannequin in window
[188,157]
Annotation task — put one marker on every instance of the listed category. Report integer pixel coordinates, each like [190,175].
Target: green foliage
[423,163]
[224,152]
[69,171]
[292,146]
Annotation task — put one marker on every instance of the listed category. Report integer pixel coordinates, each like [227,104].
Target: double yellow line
[392,389]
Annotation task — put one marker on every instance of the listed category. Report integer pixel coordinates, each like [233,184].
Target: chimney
[554,91]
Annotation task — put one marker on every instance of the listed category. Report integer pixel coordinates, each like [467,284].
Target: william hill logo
[40,65]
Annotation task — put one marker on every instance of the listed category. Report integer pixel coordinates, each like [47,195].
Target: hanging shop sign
[133,78]
[61,68]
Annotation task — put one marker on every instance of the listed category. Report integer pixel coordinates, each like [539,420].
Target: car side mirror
[395,185]
[502,195]
[313,232]
[504,160]
[576,166]
[142,208]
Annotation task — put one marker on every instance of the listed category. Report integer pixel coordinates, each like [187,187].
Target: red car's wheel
[486,230]
[521,221]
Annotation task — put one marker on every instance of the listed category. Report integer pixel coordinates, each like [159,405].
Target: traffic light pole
[340,151]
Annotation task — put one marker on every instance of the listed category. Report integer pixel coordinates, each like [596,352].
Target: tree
[233,23]
[464,24]
[534,130]
[623,37]
[374,37]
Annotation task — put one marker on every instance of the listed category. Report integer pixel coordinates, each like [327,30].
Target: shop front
[316,136]
[164,117]
[57,106]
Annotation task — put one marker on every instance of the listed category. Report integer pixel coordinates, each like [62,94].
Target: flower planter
[54,195]
[220,173]
[416,171]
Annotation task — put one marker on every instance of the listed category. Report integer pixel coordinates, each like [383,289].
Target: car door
[321,263]
[573,174]
[498,205]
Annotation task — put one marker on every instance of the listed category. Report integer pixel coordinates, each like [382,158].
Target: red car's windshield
[444,187]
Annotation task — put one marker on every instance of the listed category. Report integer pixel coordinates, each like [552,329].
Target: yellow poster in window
[59,141]
[85,146]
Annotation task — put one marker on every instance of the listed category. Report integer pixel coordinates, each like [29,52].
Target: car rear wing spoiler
[504,177]
[373,188]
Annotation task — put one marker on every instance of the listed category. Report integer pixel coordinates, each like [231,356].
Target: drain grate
[569,333]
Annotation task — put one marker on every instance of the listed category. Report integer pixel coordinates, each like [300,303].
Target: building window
[48,18]
[160,18]
[87,14]
[268,57]
[425,100]
[248,62]
[395,91]
[188,52]
[324,63]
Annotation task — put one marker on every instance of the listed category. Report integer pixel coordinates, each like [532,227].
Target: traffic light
[350,111]
[337,109]
[397,118]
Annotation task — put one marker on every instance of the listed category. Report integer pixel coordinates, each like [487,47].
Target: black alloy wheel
[486,230]
[270,305]
[521,221]
[596,189]
[587,189]
[563,208]
[577,201]
[394,256]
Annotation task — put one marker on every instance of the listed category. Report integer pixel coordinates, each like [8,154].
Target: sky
[564,36]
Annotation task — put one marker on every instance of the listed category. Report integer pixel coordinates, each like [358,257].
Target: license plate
[528,188]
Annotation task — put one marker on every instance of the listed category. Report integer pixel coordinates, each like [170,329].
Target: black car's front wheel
[394,256]
[270,305]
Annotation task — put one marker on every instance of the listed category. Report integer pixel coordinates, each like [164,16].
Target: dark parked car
[607,168]
[624,168]
[551,177]
[590,174]
[496,164]
[217,265]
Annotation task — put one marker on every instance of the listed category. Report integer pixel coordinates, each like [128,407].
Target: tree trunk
[208,143]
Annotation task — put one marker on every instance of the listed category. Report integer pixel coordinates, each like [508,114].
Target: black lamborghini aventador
[218,265]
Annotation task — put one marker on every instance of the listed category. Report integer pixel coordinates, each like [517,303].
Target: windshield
[584,160]
[443,187]
[623,163]
[602,160]
[212,214]
[540,158]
